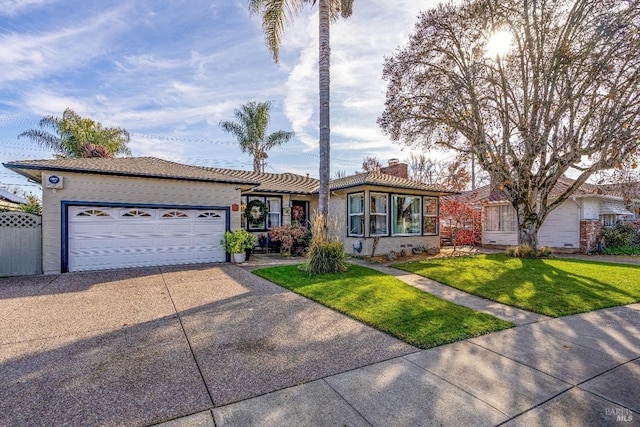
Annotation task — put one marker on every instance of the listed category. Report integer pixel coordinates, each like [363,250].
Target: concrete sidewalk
[580,370]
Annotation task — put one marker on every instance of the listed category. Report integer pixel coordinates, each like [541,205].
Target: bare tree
[340,173]
[563,94]
[423,168]
[371,164]
[453,175]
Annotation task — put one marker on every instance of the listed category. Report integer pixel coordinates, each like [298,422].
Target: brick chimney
[395,168]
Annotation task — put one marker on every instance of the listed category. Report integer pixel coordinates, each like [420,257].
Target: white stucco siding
[131,190]
[561,228]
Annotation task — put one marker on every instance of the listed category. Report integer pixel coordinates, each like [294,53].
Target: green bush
[621,235]
[623,250]
[237,241]
[326,257]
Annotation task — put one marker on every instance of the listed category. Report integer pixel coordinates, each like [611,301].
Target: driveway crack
[186,336]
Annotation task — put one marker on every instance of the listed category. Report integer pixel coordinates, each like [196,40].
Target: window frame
[373,214]
[360,214]
[267,225]
[430,216]
[501,220]
[394,210]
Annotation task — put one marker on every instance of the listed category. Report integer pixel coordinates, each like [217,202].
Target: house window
[430,215]
[378,224]
[275,208]
[608,220]
[405,214]
[356,214]
[271,217]
[500,218]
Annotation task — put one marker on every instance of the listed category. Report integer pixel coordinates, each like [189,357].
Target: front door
[300,212]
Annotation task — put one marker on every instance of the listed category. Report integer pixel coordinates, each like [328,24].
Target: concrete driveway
[143,346]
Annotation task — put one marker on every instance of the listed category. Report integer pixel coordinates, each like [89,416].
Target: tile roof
[262,182]
[624,189]
[275,182]
[383,180]
[485,195]
[128,166]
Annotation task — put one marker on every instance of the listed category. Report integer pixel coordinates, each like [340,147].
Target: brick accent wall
[589,232]
[401,170]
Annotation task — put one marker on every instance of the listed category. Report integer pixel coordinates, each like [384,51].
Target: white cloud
[13,7]
[358,47]
[159,69]
[24,57]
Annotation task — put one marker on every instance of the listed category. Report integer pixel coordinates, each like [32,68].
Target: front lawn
[387,304]
[555,287]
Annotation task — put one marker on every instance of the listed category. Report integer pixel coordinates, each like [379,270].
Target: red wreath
[298,213]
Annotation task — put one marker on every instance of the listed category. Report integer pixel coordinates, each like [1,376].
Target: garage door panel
[105,237]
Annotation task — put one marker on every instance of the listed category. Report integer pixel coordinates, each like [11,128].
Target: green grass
[387,304]
[555,287]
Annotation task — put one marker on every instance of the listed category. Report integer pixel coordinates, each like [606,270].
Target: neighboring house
[125,212]
[9,201]
[573,226]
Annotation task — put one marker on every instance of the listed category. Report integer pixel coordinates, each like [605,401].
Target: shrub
[237,241]
[621,235]
[526,251]
[326,257]
[289,235]
[623,250]
[33,206]
[545,252]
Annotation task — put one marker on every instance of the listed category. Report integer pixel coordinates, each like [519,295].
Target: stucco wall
[111,189]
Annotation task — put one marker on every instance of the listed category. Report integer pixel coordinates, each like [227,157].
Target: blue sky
[170,71]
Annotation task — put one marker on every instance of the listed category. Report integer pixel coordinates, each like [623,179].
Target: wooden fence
[20,244]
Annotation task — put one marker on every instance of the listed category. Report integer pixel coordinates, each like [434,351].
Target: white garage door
[108,237]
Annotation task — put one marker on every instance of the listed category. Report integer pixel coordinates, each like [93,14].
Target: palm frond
[43,139]
[278,138]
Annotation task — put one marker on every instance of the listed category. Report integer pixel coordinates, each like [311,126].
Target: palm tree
[276,14]
[250,129]
[77,136]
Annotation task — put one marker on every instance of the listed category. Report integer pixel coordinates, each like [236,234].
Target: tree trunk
[324,86]
[528,226]
[256,163]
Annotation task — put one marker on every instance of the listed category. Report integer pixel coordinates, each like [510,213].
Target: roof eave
[19,168]
[390,185]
